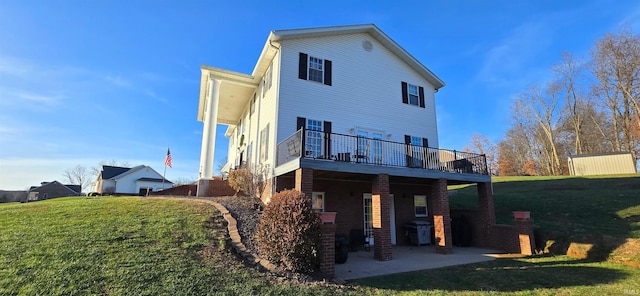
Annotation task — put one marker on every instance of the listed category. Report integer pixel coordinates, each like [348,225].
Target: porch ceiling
[236,89]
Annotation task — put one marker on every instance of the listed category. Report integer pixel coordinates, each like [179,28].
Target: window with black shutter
[314,69]
[412,94]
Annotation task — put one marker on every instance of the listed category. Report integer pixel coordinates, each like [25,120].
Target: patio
[408,258]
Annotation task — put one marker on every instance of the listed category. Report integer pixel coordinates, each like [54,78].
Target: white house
[347,116]
[137,180]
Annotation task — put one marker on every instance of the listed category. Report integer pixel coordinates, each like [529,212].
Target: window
[264,143]
[317,201]
[314,69]
[314,138]
[420,204]
[253,105]
[413,95]
[267,80]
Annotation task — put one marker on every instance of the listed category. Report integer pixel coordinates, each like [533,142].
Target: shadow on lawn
[505,275]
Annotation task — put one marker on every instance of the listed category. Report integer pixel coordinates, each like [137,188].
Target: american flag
[167,160]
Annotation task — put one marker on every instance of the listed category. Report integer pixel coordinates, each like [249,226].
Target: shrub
[250,181]
[289,232]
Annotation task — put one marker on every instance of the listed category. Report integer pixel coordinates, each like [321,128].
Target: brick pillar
[328,252]
[441,217]
[524,229]
[304,181]
[381,214]
[487,214]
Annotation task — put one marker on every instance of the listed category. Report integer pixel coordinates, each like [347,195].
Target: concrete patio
[408,258]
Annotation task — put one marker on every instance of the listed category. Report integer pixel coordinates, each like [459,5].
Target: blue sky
[89,81]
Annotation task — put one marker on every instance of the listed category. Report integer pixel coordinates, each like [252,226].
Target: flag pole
[164,174]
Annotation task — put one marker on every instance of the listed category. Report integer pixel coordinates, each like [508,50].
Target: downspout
[274,182]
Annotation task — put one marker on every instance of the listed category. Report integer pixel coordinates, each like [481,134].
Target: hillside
[594,209]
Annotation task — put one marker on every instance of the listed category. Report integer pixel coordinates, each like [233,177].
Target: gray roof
[109,172]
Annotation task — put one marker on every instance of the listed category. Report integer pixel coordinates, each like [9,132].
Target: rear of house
[347,116]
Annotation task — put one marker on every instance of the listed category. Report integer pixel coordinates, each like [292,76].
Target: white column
[209,130]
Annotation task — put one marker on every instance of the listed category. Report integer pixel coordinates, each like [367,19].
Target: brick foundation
[214,187]
[328,252]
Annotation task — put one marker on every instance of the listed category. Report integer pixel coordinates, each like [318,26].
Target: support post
[328,253]
[210,119]
[381,214]
[304,181]
[487,213]
[441,217]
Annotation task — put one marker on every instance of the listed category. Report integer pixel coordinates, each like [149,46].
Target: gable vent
[367,45]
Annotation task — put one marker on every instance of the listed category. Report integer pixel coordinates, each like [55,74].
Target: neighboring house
[137,180]
[48,190]
[347,116]
[601,164]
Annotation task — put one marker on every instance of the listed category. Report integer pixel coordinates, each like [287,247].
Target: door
[368,218]
[369,146]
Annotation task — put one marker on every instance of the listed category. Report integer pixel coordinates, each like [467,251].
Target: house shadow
[503,275]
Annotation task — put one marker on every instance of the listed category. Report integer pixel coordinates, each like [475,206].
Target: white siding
[264,113]
[365,91]
[129,183]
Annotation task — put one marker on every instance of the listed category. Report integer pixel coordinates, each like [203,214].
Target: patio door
[369,145]
[368,218]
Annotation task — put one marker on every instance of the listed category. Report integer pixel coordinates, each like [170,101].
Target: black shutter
[327,72]
[301,123]
[421,90]
[405,95]
[409,151]
[327,139]
[302,66]
[425,142]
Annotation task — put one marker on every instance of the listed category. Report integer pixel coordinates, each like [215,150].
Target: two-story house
[347,116]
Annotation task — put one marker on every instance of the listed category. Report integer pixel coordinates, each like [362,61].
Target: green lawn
[566,206]
[138,246]
[122,246]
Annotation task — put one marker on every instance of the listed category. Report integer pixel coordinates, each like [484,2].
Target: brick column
[304,181]
[487,213]
[328,252]
[381,214]
[524,229]
[441,217]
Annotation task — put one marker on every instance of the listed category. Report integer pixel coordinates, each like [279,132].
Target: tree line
[590,106]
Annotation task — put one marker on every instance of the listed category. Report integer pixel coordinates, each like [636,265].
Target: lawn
[123,246]
[566,206]
[141,246]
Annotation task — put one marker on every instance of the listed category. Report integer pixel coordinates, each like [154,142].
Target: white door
[368,218]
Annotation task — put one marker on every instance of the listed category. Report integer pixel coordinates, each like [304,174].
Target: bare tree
[568,75]
[616,65]
[539,112]
[482,145]
[78,175]
[183,181]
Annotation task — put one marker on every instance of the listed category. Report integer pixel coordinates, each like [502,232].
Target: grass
[138,246]
[123,246]
[559,275]
[566,206]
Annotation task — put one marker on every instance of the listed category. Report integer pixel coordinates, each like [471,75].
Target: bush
[289,232]
[251,181]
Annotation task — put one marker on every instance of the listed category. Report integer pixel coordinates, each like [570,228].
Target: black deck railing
[354,149]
